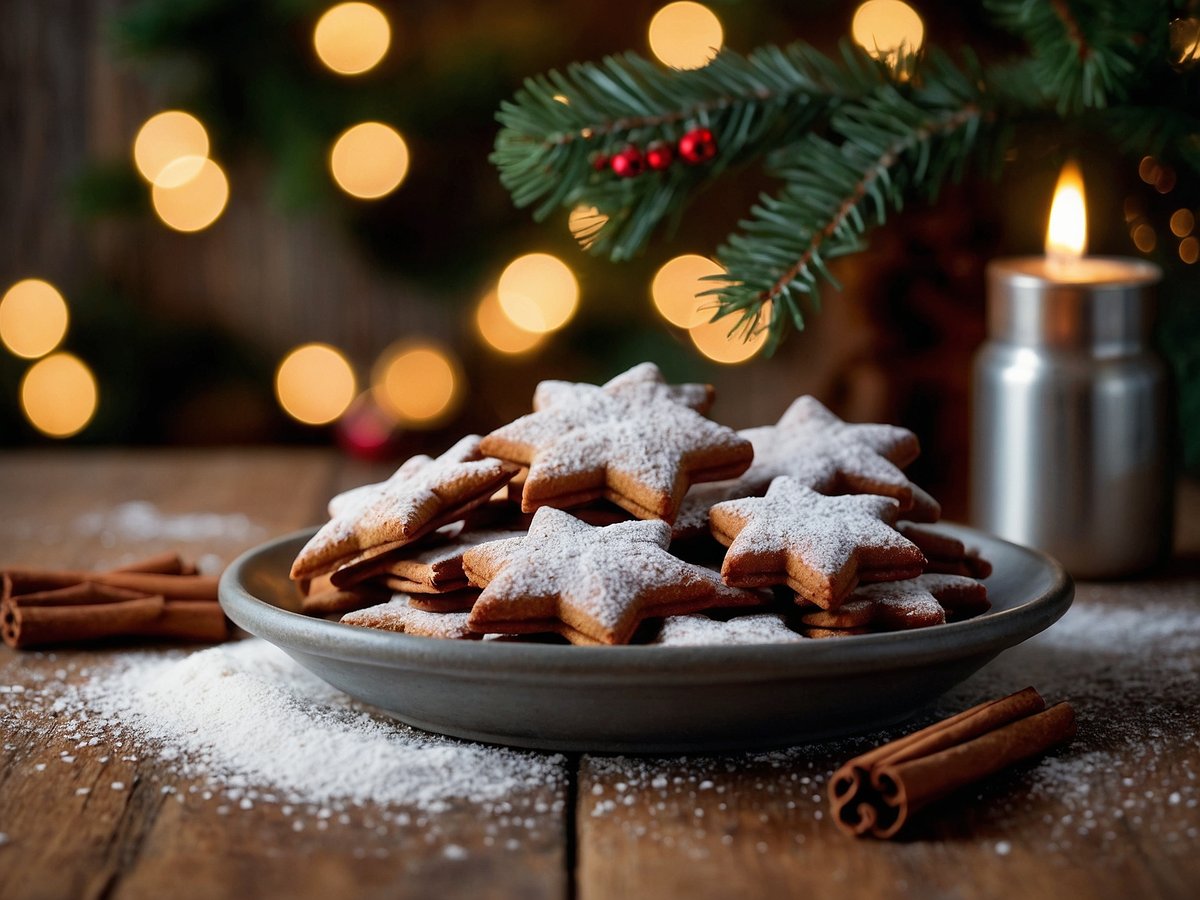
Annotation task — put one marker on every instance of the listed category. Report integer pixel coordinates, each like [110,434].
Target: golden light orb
[538,292]
[676,288]
[369,160]
[685,35]
[59,395]
[714,341]
[1144,237]
[195,203]
[315,383]
[351,38]
[886,28]
[498,330]
[1182,222]
[164,140]
[33,318]
[420,384]
[1189,250]
[584,223]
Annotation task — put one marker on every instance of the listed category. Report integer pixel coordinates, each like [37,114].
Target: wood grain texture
[69,832]
[1115,814]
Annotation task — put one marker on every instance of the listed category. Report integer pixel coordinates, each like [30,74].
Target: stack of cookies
[619,513]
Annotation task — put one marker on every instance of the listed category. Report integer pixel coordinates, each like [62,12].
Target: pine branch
[893,146]
[546,147]
[1086,54]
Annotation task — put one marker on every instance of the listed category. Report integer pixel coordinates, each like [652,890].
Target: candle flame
[1066,235]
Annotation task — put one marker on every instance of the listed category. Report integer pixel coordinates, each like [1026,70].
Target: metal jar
[1071,441]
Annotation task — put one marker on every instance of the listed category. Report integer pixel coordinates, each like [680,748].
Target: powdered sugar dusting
[1131,669]
[698,630]
[253,726]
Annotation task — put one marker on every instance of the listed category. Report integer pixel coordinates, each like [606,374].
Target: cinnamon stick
[40,626]
[160,596]
[184,587]
[188,620]
[878,792]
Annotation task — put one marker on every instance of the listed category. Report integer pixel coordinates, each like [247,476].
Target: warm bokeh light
[714,340]
[1066,233]
[1189,250]
[1144,237]
[315,383]
[369,160]
[58,395]
[677,286]
[1182,222]
[885,28]
[1149,169]
[419,384]
[166,139]
[33,318]
[685,35]
[195,203]
[498,330]
[351,38]
[584,222]
[538,292]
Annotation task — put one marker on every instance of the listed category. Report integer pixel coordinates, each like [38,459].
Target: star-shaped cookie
[627,441]
[697,630]
[422,495]
[929,599]
[696,396]
[946,554]
[816,448]
[820,546]
[586,583]
[397,615]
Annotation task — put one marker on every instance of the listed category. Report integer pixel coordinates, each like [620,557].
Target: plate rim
[696,665]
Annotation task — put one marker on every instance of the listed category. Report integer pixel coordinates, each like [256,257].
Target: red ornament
[697,146]
[659,155]
[599,162]
[629,163]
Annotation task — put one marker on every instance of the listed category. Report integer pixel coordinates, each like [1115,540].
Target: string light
[1189,250]
[1182,222]
[584,223]
[59,395]
[1149,170]
[685,35]
[164,140]
[714,341]
[351,38]
[498,330]
[315,383]
[887,28]
[676,287]
[33,318]
[369,160]
[538,292]
[419,384]
[194,203]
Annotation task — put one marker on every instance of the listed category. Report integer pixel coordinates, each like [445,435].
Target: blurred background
[274,221]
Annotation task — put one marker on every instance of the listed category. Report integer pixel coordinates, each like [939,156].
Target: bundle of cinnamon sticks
[160,597]
[876,793]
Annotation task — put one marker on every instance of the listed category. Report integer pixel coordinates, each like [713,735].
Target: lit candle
[1070,436]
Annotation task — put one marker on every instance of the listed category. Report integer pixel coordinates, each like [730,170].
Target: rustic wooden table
[1115,814]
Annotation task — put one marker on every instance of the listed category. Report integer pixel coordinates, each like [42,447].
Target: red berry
[697,146]
[599,162]
[629,163]
[659,155]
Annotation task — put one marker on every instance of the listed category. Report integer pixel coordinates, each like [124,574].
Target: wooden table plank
[1115,814]
[69,832]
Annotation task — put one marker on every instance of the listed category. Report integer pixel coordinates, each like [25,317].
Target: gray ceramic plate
[649,699]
